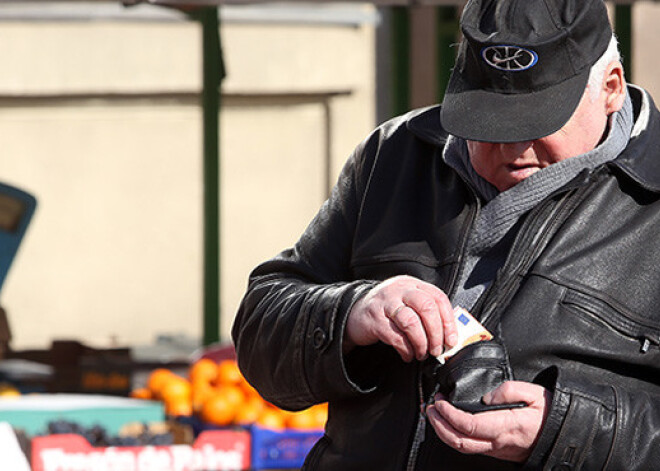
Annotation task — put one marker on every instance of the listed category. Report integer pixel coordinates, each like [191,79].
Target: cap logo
[509,58]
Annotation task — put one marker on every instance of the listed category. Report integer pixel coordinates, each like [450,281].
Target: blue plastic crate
[273,449]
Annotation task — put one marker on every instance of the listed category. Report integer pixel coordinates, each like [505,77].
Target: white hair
[597,73]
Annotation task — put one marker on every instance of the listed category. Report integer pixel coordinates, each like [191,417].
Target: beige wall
[114,252]
[646,40]
[115,248]
[277,177]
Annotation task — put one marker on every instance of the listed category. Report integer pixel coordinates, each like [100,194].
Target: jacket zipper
[535,233]
[648,340]
[642,331]
[465,237]
[420,429]
[520,256]
[540,226]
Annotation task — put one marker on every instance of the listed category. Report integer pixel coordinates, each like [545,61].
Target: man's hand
[508,434]
[414,317]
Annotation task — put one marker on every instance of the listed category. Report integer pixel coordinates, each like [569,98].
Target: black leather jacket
[577,304]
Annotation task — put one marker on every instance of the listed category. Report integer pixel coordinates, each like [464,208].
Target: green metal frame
[447,20]
[447,31]
[623,29]
[213,73]
[400,60]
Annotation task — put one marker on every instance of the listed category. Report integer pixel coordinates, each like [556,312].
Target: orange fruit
[203,370]
[249,390]
[157,379]
[302,420]
[272,419]
[176,393]
[320,413]
[228,373]
[201,391]
[234,394]
[176,388]
[141,393]
[218,410]
[249,412]
[178,407]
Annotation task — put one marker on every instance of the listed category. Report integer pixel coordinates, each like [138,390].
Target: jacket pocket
[414,258]
[644,331]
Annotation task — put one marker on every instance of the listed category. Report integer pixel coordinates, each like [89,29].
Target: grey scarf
[496,224]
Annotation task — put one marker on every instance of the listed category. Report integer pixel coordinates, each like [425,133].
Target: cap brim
[481,115]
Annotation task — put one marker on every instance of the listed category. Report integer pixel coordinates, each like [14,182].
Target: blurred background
[102,121]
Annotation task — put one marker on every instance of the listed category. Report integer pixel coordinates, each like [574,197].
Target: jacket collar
[425,124]
[640,160]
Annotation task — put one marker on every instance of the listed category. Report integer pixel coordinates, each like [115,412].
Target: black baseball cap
[522,67]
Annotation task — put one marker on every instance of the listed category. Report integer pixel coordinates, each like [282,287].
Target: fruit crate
[32,412]
[270,448]
[78,368]
[285,449]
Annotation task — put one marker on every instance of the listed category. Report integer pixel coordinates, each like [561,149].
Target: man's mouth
[520,166]
[521,171]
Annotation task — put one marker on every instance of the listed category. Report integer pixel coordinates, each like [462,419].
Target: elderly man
[531,200]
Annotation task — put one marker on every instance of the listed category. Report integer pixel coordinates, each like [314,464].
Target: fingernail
[452,339]
[487,398]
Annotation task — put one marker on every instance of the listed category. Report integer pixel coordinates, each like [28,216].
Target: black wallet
[474,371]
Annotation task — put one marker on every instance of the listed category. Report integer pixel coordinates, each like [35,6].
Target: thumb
[516,391]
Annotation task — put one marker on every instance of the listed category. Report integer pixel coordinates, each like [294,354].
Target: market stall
[84,388]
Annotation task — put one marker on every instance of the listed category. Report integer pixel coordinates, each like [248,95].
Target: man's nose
[515,149]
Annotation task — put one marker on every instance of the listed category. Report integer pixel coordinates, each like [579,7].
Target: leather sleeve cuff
[324,359]
[579,429]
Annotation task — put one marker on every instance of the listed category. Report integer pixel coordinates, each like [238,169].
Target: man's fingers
[427,310]
[399,341]
[446,311]
[457,439]
[517,391]
[461,421]
[487,426]
[508,434]
[409,314]
[408,321]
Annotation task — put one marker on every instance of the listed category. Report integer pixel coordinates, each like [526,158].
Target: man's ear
[614,86]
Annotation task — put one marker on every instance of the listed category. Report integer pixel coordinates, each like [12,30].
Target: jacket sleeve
[598,427]
[289,327]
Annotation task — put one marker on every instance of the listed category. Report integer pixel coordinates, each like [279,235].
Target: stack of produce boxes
[228,425]
[215,397]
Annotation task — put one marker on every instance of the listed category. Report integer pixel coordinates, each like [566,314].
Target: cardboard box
[78,368]
[74,362]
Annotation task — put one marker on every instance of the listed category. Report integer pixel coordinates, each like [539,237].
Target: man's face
[506,164]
